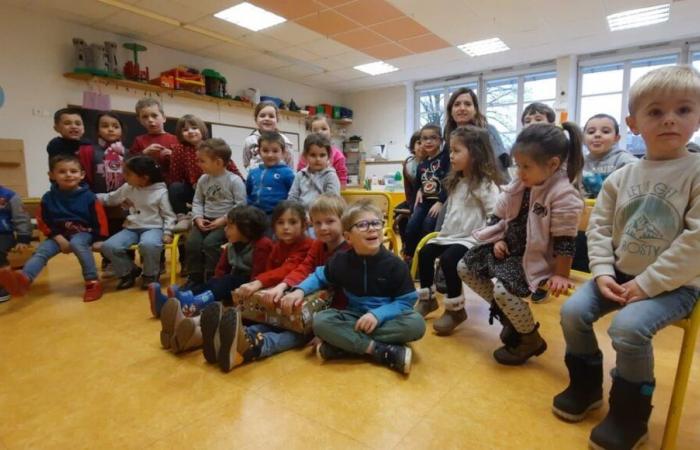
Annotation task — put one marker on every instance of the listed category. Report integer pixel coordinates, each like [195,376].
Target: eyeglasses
[365,225]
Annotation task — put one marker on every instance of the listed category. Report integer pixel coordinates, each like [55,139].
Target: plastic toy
[181,78]
[214,83]
[95,59]
[132,70]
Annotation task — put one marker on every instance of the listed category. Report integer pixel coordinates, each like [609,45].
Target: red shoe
[14,282]
[93,291]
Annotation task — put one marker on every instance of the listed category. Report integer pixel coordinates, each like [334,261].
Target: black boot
[508,335]
[585,390]
[625,426]
[530,344]
[128,280]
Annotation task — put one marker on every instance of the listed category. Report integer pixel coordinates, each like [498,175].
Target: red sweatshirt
[283,259]
[167,140]
[261,248]
[184,168]
[318,256]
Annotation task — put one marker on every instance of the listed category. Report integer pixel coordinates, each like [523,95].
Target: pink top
[555,209]
[338,163]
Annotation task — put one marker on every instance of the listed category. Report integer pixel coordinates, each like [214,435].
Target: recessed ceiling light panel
[484,47]
[376,68]
[641,17]
[250,16]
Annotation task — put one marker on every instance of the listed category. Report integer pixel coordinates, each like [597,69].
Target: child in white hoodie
[149,223]
[317,178]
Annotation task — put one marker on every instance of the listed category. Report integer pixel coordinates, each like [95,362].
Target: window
[604,89]
[432,102]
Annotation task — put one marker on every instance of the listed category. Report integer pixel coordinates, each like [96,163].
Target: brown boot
[454,315]
[530,344]
[187,336]
[427,302]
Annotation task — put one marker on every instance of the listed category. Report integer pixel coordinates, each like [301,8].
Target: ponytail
[574,159]
[544,141]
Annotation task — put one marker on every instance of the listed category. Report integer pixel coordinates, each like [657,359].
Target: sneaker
[395,357]
[211,317]
[539,295]
[14,281]
[128,280]
[326,351]
[4,295]
[93,291]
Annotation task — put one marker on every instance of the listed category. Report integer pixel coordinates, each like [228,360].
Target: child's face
[327,227]
[271,153]
[418,150]
[321,127]
[460,160]
[365,235]
[67,175]
[192,135]
[133,179]
[233,234]
[266,119]
[70,126]
[532,173]
[109,129]
[430,142]
[152,119]
[666,123]
[599,136]
[317,157]
[289,227]
[208,164]
[531,119]
[463,110]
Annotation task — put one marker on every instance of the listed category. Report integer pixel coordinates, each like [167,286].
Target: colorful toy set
[181,78]
[96,59]
[132,70]
[255,310]
[332,111]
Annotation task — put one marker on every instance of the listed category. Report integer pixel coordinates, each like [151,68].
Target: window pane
[643,66]
[500,92]
[635,144]
[539,87]
[504,118]
[472,86]
[601,79]
[608,104]
[431,106]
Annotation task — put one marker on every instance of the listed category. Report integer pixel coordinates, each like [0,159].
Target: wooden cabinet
[13,171]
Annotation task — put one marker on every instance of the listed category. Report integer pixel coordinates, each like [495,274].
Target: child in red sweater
[156,143]
[226,340]
[325,213]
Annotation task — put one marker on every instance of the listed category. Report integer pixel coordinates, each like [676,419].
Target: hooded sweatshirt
[67,213]
[13,217]
[149,206]
[609,162]
[267,186]
[309,185]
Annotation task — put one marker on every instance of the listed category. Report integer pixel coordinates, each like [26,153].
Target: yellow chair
[381,200]
[174,255]
[421,244]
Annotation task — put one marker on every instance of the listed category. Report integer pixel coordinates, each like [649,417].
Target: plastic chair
[421,244]
[174,255]
[382,200]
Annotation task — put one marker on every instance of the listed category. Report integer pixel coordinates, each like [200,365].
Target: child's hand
[63,243]
[248,289]
[367,323]
[202,223]
[435,209]
[217,223]
[500,250]
[273,295]
[291,302]
[314,342]
[153,150]
[21,246]
[559,285]
[165,152]
[97,246]
[167,239]
[611,290]
[633,293]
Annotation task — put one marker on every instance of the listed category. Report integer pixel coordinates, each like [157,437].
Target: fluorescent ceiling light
[376,68]
[250,16]
[484,47]
[641,17]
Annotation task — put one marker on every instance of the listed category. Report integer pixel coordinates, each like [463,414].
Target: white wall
[379,116]
[37,50]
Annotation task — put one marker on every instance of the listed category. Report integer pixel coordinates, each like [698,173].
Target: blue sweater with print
[267,186]
[379,284]
[70,212]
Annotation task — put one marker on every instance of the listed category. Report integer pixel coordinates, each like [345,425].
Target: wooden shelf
[146,87]
[343,121]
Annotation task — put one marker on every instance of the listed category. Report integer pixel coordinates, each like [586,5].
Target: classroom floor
[76,375]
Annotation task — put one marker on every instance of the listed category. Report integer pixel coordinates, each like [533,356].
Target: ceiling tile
[334,3]
[299,53]
[326,47]
[265,62]
[289,9]
[184,40]
[229,52]
[298,71]
[360,39]
[369,12]
[351,59]
[327,23]
[387,51]
[291,33]
[182,11]
[426,43]
[325,78]
[262,42]
[327,64]
[86,10]
[205,7]
[347,74]
[138,25]
[221,26]
[401,28]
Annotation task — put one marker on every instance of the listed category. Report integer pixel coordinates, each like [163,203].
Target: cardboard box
[301,321]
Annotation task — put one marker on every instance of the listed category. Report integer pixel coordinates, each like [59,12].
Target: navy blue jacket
[70,212]
[430,175]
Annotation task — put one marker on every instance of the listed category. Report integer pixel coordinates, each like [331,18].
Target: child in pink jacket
[532,239]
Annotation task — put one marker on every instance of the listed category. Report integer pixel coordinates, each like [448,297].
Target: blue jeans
[277,340]
[80,244]
[631,330]
[419,224]
[150,247]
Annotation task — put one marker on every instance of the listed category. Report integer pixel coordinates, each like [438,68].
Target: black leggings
[180,194]
[222,286]
[449,256]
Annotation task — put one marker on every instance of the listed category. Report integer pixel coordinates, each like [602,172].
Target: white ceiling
[535,30]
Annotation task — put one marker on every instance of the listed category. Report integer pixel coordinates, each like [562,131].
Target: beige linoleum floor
[76,375]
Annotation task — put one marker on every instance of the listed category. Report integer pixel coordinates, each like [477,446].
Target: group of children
[505,241]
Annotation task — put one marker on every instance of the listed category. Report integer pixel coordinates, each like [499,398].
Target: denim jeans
[150,247]
[276,340]
[80,244]
[7,242]
[631,330]
[419,224]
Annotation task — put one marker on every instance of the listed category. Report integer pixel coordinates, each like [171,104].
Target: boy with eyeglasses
[379,319]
